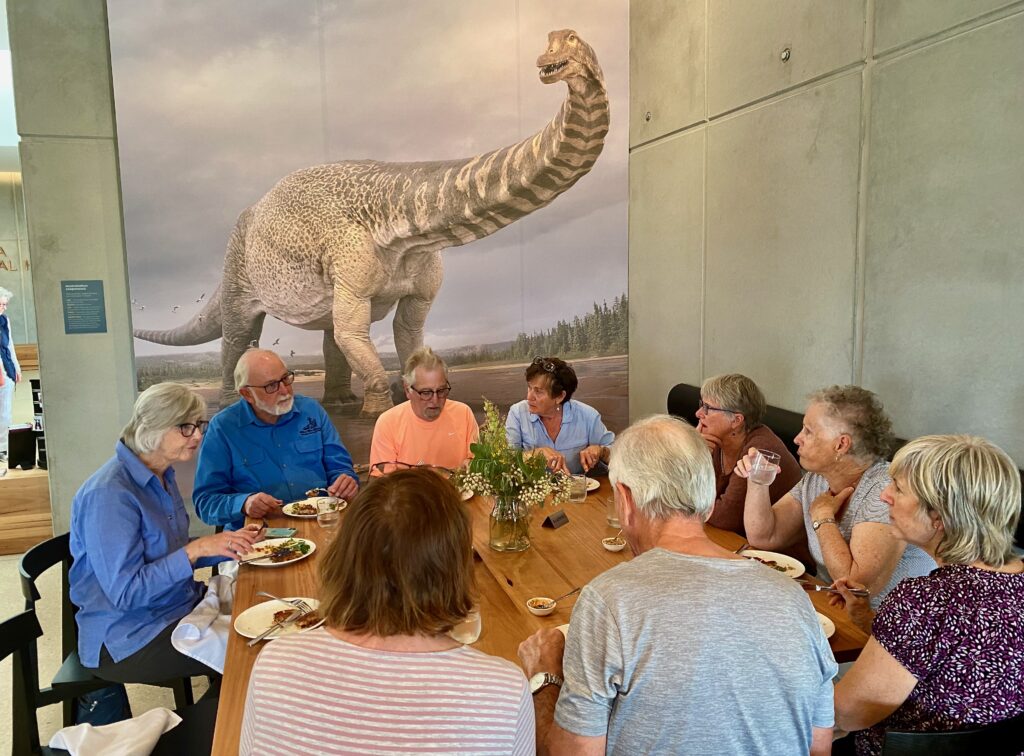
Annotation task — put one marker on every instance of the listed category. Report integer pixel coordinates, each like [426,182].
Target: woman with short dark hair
[569,433]
[387,678]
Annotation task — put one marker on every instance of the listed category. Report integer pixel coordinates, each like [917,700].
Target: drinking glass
[578,489]
[765,467]
[612,513]
[327,514]
[468,631]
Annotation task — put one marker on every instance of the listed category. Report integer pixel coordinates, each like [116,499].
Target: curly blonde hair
[858,413]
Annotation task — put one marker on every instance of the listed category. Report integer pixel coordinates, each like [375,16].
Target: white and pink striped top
[313,693]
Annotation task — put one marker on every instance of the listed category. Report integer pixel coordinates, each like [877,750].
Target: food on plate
[540,603]
[306,620]
[284,552]
[308,506]
[769,562]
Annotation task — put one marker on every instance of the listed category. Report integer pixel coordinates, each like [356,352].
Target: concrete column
[64,101]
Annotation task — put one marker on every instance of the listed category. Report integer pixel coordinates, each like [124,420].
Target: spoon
[565,595]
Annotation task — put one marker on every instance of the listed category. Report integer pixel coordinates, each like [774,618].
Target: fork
[742,548]
[297,602]
[861,592]
[295,614]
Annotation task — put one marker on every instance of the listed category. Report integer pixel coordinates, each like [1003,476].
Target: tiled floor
[142,697]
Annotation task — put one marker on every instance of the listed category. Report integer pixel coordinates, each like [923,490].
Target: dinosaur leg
[352,334]
[337,376]
[240,328]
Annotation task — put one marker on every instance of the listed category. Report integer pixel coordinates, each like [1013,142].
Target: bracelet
[818,523]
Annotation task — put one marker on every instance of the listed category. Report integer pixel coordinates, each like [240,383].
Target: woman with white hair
[10,374]
[946,650]
[133,558]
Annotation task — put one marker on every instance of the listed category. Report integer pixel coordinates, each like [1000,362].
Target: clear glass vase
[510,525]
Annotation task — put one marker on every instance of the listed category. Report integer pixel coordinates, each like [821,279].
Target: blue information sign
[84,308]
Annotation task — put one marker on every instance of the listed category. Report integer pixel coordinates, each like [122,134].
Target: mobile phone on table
[280,532]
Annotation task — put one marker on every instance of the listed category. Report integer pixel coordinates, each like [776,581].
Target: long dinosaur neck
[454,203]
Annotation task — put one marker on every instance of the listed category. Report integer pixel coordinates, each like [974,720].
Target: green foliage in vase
[503,472]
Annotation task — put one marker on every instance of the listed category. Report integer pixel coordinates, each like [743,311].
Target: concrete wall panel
[781,241]
[746,40]
[665,232]
[899,22]
[945,237]
[666,65]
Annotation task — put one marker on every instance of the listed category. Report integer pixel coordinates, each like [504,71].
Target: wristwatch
[818,523]
[542,679]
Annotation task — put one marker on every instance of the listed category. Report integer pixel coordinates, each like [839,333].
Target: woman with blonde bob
[946,650]
[382,675]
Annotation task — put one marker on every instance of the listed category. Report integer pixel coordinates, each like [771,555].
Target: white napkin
[132,737]
[203,634]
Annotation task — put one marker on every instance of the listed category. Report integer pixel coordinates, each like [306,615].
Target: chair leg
[70,707]
[183,693]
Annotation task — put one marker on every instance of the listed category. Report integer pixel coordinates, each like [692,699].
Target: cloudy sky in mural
[216,101]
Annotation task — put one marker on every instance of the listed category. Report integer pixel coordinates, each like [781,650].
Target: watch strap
[543,679]
[818,523]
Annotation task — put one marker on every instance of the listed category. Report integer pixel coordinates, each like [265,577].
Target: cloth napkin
[203,634]
[132,737]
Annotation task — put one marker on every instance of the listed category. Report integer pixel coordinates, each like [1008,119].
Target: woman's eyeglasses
[428,394]
[271,388]
[189,429]
[702,405]
[546,364]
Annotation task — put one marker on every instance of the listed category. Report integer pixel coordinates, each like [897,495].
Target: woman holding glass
[133,558]
[396,579]
[946,650]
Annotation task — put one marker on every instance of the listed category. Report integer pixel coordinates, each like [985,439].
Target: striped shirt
[315,693]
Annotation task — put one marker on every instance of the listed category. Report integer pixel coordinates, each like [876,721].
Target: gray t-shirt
[671,653]
[865,505]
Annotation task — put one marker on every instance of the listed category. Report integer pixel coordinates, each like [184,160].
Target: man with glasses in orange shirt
[268,449]
[428,429]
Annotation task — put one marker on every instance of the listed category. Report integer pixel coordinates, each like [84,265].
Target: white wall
[851,214]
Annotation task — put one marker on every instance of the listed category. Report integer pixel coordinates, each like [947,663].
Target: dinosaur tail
[203,327]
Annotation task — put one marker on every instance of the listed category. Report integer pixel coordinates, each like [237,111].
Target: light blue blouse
[581,427]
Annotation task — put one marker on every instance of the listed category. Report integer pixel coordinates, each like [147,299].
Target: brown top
[732,489]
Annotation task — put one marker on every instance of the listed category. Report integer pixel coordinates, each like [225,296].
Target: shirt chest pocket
[308,445]
[254,458]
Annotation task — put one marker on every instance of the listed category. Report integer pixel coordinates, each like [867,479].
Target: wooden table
[559,560]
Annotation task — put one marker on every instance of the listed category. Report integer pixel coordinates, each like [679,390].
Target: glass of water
[327,514]
[578,489]
[764,468]
[468,631]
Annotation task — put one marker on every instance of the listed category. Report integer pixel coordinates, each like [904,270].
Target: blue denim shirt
[130,578]
[581,427]
[242,455]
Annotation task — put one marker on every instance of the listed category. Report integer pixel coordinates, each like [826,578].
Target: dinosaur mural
[338,246]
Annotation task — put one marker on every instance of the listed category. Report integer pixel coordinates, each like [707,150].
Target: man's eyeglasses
[428,394]
[271,388]
[189,429]
[708,408]
[546,364]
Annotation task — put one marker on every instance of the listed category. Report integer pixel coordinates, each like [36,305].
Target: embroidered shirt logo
[309,428]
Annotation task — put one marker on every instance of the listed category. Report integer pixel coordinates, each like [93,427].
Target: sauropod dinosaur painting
[336,247]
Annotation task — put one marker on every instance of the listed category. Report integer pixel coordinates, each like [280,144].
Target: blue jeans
[6,407]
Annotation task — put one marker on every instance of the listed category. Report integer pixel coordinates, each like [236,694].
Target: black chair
[1004,738]
[72,679]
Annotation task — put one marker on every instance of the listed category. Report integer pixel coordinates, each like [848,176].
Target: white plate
[267,545]
[289,508]
[259,617]
[564,629]
[593,484]
[827,626]
[793,567]
[466,495]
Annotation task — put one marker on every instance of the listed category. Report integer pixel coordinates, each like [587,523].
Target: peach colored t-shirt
[400,436]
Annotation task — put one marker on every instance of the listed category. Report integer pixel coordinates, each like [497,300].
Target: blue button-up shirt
[242,455]
[131,577]
[581,427]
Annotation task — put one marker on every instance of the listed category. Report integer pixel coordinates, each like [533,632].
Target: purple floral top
[958,631]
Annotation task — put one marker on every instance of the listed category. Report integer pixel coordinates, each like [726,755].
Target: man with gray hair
[267,449]
[428,429]
[688,648]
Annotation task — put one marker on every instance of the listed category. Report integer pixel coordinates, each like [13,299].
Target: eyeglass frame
[427,394]
[702,405]
[287,379]
[200,426]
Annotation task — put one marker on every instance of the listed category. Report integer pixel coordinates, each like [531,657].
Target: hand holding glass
[764,467]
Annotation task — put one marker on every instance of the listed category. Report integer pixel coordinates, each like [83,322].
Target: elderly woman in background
[729,419]
[843,445]
[395,580]
[946,651]
[133,558]
[568,433]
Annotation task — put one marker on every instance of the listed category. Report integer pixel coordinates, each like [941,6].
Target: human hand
[745,463]
[17,377]
[230,543]
[827,504]
[713,442]
[542,652]
[858,608]
[590,456]
[555,461]
[344,487]
[260,505]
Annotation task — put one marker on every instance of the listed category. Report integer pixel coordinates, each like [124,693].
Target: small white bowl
[614,543]
[544,609]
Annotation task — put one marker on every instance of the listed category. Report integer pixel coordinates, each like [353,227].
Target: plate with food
[274,552]
[306,508]
[593,484]
[260,617]
[827,626]
[787,565]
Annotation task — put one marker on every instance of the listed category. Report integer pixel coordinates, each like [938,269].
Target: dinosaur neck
[458,202]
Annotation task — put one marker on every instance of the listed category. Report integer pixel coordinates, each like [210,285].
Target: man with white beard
[269,449]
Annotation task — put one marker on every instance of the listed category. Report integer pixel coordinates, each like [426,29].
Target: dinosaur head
[567,57]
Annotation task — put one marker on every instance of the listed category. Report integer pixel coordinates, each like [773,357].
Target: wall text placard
[84,307]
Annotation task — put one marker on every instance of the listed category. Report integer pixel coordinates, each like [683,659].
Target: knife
[295,616]
[862,592]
